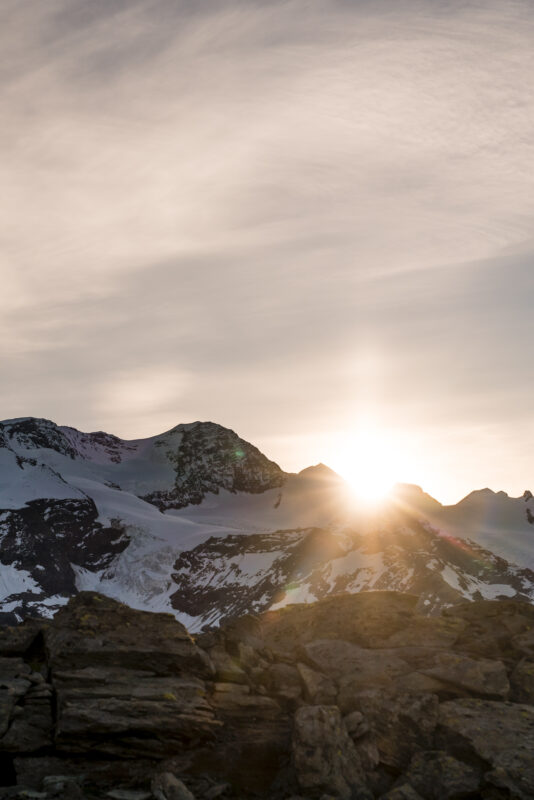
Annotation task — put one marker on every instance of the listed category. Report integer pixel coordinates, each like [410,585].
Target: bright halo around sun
[370,465]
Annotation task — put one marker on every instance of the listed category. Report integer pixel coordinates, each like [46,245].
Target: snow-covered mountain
[199,522]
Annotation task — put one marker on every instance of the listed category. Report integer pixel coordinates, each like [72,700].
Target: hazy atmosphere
[308,221]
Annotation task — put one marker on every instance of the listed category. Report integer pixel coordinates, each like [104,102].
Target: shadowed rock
[326,761]
[335,699]
[96,631]
[499,735]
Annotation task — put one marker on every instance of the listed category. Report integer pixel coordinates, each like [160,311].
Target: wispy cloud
[256,194]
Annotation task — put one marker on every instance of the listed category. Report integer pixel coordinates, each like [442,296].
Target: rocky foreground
[356,696]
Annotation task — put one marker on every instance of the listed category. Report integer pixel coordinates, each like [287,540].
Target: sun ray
[371,462]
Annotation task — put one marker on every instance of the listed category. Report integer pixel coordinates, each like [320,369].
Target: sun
[370,463]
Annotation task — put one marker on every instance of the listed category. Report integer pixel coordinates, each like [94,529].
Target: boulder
[436,775]
[522,682]
[493,627]
[96,631]
[166,786]
[127,713]
[283,682]
[234,701]
[482,677]
[32,729]
[402,792]
[367,619]
[246,629]
[523,644]
[356,724]
[227,669]
[100,774]
[254,742]
[401,725]
[337,658]
[64,787]
[439,632]
[324,756]
[14,683]
[318,689]
[421,683]
[499,735]
[18,640]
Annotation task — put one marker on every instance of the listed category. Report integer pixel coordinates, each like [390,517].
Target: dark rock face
[325,757]
[437,775]
[210,458]
[197,573]
[356,696]
[32,433]
[501,735]
[58,534]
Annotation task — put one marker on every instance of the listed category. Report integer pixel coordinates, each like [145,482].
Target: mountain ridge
[195,520]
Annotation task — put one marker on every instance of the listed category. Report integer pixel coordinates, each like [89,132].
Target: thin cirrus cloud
[262,196]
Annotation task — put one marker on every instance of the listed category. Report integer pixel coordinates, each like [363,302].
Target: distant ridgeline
[199,523]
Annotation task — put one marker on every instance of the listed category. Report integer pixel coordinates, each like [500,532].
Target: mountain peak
[319,472]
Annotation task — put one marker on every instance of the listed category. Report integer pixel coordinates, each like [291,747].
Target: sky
[310,221]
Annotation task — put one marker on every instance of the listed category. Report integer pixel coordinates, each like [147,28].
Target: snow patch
[16,581]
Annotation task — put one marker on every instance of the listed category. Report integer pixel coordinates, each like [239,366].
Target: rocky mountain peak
[31,433]
[199,523]
[207,458]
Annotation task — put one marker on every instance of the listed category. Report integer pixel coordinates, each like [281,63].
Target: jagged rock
[324,755]
[246,629]
[367,619]
[227,669]
[522,682]
[421,683]
[401,724]
[63,786]
[498,734]
[216,791]
[492,627]
[440,632]
[318,689]
[283,681]
[523,643]
[32,729]
[254,740]
[128,794]
[356,724]
[482,677]
[367,753]
[336,659]
[166,786]
[247,655]
[438,776]
[25,708]
[130,714]
[235,700]
[404,792]
[100,774]
[17,640]
[96,631]
[14,683]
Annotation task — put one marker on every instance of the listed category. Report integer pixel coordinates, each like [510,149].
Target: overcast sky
[291,218]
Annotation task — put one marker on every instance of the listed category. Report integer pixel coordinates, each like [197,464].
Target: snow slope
[199,522]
